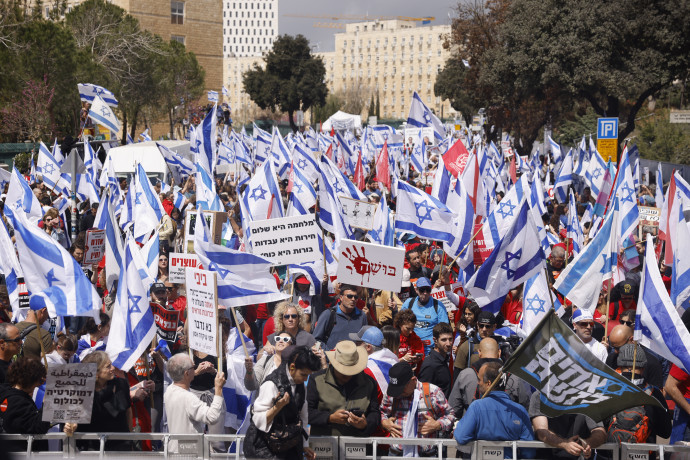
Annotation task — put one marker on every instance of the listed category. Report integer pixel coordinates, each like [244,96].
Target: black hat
[158,287]
[486,317]
[626,356]
[400,375]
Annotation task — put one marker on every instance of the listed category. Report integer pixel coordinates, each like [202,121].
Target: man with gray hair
[186,413]
[10,344]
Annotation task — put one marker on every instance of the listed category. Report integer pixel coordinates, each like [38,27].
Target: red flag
[291,177]
[332,131]
[329,152]
[456,158]
[382,171]
[513,169]
[359,173]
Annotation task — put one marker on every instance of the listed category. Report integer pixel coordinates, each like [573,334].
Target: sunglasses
[424,290]
[350,296]
[628,323]
[484,326]
[586,324]
[291,316]
[283,339]
[17,340]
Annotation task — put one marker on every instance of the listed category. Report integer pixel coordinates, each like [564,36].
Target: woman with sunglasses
[267,363]
[292,319]
[162,268]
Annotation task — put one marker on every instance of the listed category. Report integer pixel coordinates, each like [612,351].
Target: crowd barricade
[200,447]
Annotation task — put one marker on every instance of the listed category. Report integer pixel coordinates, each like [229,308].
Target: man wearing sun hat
[342,399]
[583,324]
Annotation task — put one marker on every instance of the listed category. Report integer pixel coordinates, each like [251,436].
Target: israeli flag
[180,167]
[537,299]
[9,265]
[383,231]
[595,173]
[145,137]
[564,178]
[463,226]
[657,323]
[574,230]
[242,278]
[280,154]
[421,116]
[147,209]
[659,192]
[680,281]
[49,168]
[624,190]
[516,258]
[49,269]
[103,115]
[212,96]
[380,363]
[237,397]
[503,216]
[149,253]
[304,162]
[242,152]
[262,145]
[442,182]
[206,141]
[206,196]
[132,327]
[225,91]
[262,196]
[20,196]
[581,281]
[114,246]
[555,151]
[88,91]
[302,196]
[423,214]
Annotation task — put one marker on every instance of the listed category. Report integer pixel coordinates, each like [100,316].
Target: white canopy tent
[341,120]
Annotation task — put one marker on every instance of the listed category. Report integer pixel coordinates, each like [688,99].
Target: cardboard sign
[649,221]
[215,221]
[166,321]
[440,295]
[360,214]
[202,310]
[370,265]
[95,247]
[178,263]
[293,240]
[69,393]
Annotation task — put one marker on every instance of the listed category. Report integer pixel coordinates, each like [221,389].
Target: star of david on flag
[536,301]
[101,114]
[262,197]
[423,214]
[420,116]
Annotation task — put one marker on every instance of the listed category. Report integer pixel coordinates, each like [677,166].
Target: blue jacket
[496,418]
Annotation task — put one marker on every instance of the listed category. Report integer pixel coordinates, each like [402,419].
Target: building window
[177,12]
[178,38]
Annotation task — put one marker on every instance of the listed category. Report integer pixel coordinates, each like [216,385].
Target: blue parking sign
[607,128]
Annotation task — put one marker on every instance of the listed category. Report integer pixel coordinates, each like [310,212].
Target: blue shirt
[496,418]
[344,325]
[427,318]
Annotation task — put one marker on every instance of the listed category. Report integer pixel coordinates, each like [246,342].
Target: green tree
[614,55]
[324,112]
[450,84]
[658,139]
[378,106]
[293,79]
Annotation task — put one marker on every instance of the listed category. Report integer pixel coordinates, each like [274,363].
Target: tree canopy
[292,78]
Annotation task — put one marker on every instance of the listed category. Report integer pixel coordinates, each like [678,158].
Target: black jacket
[19,416]
[435,369]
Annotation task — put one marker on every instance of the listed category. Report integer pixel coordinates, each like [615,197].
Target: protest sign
[178,263]
[166,321]
[370,265]
[214,220]
[440,295]
[649,221]
[69,393]
[202,310]
[95,247]
[360,214]
[293,240]
[412,135]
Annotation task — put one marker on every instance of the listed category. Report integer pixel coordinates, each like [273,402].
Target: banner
[370,265]
[69,393]
[287,240]
[649,221]
[360,214]
[202,310]
[95,247]
[178,263]
[166,321]
[570,378]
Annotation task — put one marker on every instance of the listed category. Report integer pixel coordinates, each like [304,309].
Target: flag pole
[463,249]
[237,326]
[553,306]
[494,383]
[634,360]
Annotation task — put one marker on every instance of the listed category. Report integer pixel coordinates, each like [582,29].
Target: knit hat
[626,355]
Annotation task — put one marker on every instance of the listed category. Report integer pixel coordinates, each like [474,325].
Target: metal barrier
[200,447]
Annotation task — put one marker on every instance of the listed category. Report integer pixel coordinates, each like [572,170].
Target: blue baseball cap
[369,334]
[423,282]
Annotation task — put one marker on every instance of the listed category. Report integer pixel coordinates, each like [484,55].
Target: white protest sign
[293,240]
[412,135]
[202,310]
[95,247]
[178,263]
[69,393]
[440,295]
[360,214]
[370,265]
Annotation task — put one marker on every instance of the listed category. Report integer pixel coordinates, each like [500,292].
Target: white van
[126,157]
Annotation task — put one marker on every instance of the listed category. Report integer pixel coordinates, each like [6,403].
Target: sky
[322,39]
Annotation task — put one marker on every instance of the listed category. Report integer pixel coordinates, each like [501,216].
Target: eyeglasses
[628,323]
[291,316]
[424,290]
[281,338]
[350,296]
[484,326]
[17,340]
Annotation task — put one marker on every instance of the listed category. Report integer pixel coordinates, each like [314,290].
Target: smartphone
[357,412]
[419,355]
